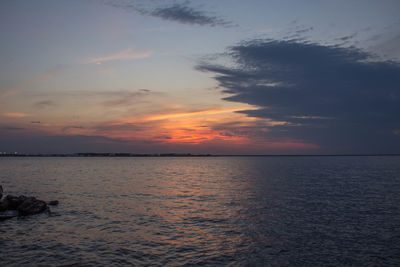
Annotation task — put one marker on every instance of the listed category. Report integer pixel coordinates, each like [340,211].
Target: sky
[219,77]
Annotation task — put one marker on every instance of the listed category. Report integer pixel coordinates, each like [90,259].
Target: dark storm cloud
[334,96]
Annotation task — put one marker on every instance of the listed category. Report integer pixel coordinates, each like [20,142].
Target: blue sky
[200,76]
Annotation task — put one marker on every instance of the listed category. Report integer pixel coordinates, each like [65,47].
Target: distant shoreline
[133,155]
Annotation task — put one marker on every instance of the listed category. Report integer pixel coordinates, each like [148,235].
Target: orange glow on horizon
[218,127]
[194,113]
[192,127]
[188,128]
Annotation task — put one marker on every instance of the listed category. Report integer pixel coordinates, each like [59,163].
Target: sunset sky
[220,77]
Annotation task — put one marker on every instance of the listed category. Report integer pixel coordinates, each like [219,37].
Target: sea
[205,211]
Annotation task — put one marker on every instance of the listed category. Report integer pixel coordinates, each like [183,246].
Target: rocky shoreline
[16,206]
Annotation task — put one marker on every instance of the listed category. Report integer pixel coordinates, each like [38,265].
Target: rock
[12,206]
[53,203]
[32,206]
[3,205]
[8,214]
[14,201]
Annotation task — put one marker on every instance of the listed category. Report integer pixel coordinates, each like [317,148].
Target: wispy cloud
[15,115]
[49,74]
[43,104]
[188,15]
[126,98]
[207,112]
[178,12]
[11,128]
[127,54]
[72,127]
[24,84]
[9,93]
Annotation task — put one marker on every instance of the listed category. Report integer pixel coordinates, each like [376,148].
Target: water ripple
[231,211]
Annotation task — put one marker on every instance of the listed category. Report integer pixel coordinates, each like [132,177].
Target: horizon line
[129,154]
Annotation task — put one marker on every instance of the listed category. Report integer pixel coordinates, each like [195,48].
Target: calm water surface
[251,211]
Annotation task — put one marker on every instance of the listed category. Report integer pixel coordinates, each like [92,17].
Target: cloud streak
[8,93]
[178,12]
[187,15]
[72,127]
[15,115]
[127,98]
[208,112]
[127,54]
[44,104]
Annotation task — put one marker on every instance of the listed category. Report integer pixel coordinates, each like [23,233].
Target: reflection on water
[205,211]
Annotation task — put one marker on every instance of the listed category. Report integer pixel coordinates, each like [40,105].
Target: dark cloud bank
[335,97]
